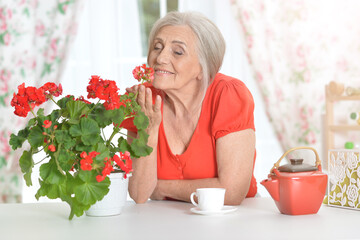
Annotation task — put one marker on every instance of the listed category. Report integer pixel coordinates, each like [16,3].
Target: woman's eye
[178,53]
[157,46]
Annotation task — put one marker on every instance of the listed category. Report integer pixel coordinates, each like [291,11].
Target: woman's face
[174,59]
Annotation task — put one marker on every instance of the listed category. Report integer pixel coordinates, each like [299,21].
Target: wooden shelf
[334,92]
[344,127]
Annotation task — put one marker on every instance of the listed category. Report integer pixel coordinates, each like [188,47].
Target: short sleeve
[233,108]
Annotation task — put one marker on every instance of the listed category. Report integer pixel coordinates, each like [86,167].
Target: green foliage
[36,138]
[16,141]
[74,128]
[26,164]
[88,130]
[138,145]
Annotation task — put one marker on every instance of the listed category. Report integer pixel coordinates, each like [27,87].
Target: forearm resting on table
[182,189]
[144,177]
[235,159]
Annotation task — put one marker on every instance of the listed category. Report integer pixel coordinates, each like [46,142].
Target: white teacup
[209,199]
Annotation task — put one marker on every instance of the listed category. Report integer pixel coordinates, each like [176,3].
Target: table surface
[256,218]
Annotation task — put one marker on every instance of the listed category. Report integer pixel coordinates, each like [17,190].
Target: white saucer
[225,209]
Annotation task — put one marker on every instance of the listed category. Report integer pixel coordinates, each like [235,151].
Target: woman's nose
[163,57]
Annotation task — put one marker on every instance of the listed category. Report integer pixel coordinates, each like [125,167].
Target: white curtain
[295,48]
[34,40]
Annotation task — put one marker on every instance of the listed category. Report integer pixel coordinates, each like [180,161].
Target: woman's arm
[235,159]
[144,177]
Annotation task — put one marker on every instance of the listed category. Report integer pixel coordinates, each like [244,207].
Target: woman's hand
[144,179]
[152,111]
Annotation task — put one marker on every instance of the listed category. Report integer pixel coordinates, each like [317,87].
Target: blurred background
[284,51]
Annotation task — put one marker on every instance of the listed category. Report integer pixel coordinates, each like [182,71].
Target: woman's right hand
[144,179]
[152,111]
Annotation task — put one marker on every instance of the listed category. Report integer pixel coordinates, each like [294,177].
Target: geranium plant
[77,156]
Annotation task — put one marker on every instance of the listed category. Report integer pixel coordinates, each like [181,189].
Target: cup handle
[192,198]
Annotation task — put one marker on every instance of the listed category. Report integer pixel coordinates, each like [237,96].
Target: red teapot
[297,188]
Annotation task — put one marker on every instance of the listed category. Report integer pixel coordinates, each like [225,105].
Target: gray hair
[211,43]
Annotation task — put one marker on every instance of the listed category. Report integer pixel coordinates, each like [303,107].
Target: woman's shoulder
[223,83]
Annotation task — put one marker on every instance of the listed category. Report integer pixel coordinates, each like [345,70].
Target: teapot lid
[297,165]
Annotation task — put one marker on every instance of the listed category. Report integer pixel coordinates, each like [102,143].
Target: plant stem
[127,135]
[102,131]
[116,130]
[39,150]
[32,111]
[41,160]
[51,97]
[93,107]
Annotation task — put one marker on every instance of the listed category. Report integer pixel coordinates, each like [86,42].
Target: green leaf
[104,152]
[62,136]
[139,145]
[83,148]
[63,101]
[77,208]
[50,173]
[17,141]
[123,146]
[88,129]
[40,112]
[55,115]
[66,159]
[36,138]
[51,191]
[141,121]
[26,164]
[76,109]
[101,116]
[75,130]
[88,190]
[117,115]
[31,123]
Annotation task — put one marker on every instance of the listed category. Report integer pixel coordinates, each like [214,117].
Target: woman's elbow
[138,199]
[234,196]
[234,200]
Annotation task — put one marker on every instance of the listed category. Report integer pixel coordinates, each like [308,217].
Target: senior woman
[201,122]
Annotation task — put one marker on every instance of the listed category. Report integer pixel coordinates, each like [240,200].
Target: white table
[256,218]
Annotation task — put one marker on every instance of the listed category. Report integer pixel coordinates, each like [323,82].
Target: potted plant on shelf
[77,156]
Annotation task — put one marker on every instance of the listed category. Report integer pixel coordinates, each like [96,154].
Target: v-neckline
[195,131]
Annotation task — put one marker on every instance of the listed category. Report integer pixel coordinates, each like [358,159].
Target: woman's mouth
[162,72]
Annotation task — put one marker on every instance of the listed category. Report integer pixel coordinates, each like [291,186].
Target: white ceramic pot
[114,201]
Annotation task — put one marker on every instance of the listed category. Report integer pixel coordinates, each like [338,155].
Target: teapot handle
[317,163]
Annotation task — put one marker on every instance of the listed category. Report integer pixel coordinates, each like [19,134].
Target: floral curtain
[35,37]
[295,48]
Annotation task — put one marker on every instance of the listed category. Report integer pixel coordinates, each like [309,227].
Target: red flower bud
[52,148]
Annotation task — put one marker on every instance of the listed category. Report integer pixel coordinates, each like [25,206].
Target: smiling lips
[162,72]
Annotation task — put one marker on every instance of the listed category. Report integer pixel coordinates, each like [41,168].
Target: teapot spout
[272,185]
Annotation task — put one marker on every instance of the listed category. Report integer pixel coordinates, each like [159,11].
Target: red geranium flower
[47,124]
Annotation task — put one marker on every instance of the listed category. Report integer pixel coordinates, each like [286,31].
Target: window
[150,11]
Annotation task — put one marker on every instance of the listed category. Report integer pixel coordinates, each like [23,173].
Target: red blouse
[228,107]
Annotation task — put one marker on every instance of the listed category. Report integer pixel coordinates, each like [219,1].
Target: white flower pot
[114,201]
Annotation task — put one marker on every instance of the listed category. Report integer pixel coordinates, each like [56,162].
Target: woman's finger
[157,105]
[148,100]
[141,96]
